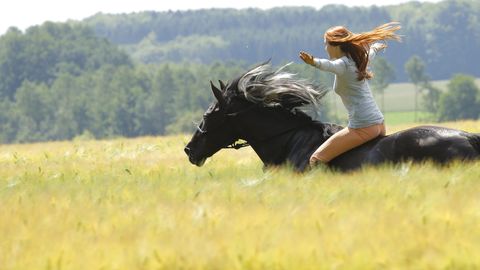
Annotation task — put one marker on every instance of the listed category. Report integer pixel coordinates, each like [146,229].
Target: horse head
[255,107]
[215,130]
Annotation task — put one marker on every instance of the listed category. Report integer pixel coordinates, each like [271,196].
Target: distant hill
[445,35]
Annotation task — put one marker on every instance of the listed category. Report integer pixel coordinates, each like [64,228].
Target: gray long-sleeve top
[356,95]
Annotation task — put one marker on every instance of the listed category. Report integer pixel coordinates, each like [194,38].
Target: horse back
[439,144]
[421,143]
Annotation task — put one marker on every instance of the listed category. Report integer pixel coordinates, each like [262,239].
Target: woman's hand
[307,58]
[378,46]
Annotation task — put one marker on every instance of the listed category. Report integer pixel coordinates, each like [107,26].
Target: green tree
[71,95]
[384,75]
[415,68]
[35,112]
[42,52]
[431,99]
[12,62]
[165,92]
[8,122]
[461,101]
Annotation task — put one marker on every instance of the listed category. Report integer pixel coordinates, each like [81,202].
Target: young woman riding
[349,55]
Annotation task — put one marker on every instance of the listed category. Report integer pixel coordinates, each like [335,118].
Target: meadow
[139,204]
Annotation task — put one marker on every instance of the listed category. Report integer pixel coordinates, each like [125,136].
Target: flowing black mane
[270,88]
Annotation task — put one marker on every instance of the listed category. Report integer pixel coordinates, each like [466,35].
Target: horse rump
[474,140]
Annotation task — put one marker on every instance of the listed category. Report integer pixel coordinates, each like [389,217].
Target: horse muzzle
[193,159]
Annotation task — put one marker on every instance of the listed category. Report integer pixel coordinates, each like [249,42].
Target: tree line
[446,35]
[60,81]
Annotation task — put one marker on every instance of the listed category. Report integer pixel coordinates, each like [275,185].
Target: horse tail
[475,141]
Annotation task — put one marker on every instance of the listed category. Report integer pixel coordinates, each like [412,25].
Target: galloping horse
[262,107]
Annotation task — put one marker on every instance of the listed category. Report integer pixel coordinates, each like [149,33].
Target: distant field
[401,117]
[401,96]
[139,204]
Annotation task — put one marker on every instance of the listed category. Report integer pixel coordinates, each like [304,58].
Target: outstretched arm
[336,66]
[375,48]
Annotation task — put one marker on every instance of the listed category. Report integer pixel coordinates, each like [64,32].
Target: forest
[445,34]
[148,73]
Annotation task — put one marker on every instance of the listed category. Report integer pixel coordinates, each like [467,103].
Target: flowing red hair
[357,46]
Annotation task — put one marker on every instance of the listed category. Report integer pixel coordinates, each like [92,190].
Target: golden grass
[139,204]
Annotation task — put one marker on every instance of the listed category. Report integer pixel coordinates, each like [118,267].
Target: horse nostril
[187,151]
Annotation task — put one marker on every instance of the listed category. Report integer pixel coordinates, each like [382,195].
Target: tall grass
[139,204]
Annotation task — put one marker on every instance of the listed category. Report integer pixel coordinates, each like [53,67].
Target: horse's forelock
[271,87]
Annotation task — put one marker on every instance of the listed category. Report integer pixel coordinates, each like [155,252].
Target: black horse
[261,107]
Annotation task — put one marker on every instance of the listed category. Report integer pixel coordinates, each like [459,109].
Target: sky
[25,13]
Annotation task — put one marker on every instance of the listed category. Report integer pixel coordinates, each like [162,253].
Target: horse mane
[268,87]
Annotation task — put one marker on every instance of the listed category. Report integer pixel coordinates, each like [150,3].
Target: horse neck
[277,135]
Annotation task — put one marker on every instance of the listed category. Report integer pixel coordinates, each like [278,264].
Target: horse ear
[222,85]
[218,95]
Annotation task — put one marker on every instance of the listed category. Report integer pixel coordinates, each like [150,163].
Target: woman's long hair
[357,46]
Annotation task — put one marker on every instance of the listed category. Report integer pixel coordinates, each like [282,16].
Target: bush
[461,101]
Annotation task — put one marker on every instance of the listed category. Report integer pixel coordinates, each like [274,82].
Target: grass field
[139,204]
